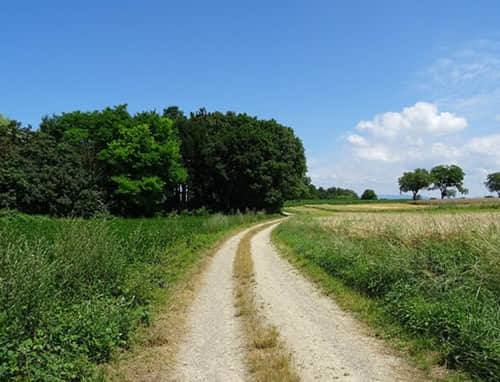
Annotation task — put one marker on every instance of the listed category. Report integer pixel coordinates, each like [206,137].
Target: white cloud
[418,136]
[458,125]
[466,80]
[377,153]
[488,145]
[421,118]
[409,135]
[439,149]
[485,149]
[357,140]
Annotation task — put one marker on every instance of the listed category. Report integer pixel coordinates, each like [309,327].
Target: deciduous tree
[369,195]
[448,176]
[493,182]
[414,181]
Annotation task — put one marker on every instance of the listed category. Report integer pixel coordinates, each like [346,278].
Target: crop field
[74,290]
[452,205]
[358,207]
[435,275]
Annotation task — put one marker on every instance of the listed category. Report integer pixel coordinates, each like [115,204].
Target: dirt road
[213,348]
[327,344]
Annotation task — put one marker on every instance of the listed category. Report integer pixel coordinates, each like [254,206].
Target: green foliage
[137,165]
[444,287]
[369,195]
[493,182]
[444,177]
[144,163]
[235,162]
[415,181]
[37,175]
[4,122]
[72,291]
[134,160]
[330,193]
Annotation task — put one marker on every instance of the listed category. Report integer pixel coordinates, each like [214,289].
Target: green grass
[72,291]
[301,202]
[437,282]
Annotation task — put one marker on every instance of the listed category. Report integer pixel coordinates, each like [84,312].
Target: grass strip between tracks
[267,358]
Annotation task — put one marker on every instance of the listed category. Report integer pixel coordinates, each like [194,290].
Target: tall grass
[437,275]
[72,291]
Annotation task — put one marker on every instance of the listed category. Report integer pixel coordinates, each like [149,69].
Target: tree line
[313,192]
[83,163]
[448,179]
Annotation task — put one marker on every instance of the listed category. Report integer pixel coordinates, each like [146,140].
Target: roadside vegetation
[72,291]
[430,277]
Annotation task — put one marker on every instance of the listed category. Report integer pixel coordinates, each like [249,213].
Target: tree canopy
[235,161]
[445,177]
[329,193]
[81,163]
[493,182]
[414,181]
[369,195]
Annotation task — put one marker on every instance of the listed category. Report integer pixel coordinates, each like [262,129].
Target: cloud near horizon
[381,149]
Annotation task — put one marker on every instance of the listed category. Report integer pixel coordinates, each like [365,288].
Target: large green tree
[144,162]
[493,182]
[414,181]
[445,177]
[134,160]
[235,161]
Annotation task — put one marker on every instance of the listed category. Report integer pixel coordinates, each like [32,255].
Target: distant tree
[414,181]
[445,177]
[493,182]
[369,195]
[329,193]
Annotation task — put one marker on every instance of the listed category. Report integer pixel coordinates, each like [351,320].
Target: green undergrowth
[438,293]
[72,291]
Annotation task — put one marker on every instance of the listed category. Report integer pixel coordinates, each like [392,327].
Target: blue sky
[373,88]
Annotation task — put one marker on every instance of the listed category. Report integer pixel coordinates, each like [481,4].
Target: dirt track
[327,343]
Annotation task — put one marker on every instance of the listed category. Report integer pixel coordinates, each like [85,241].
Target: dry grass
[366,207]
[267,359]
[409,225]
[152,357]
[459,202]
